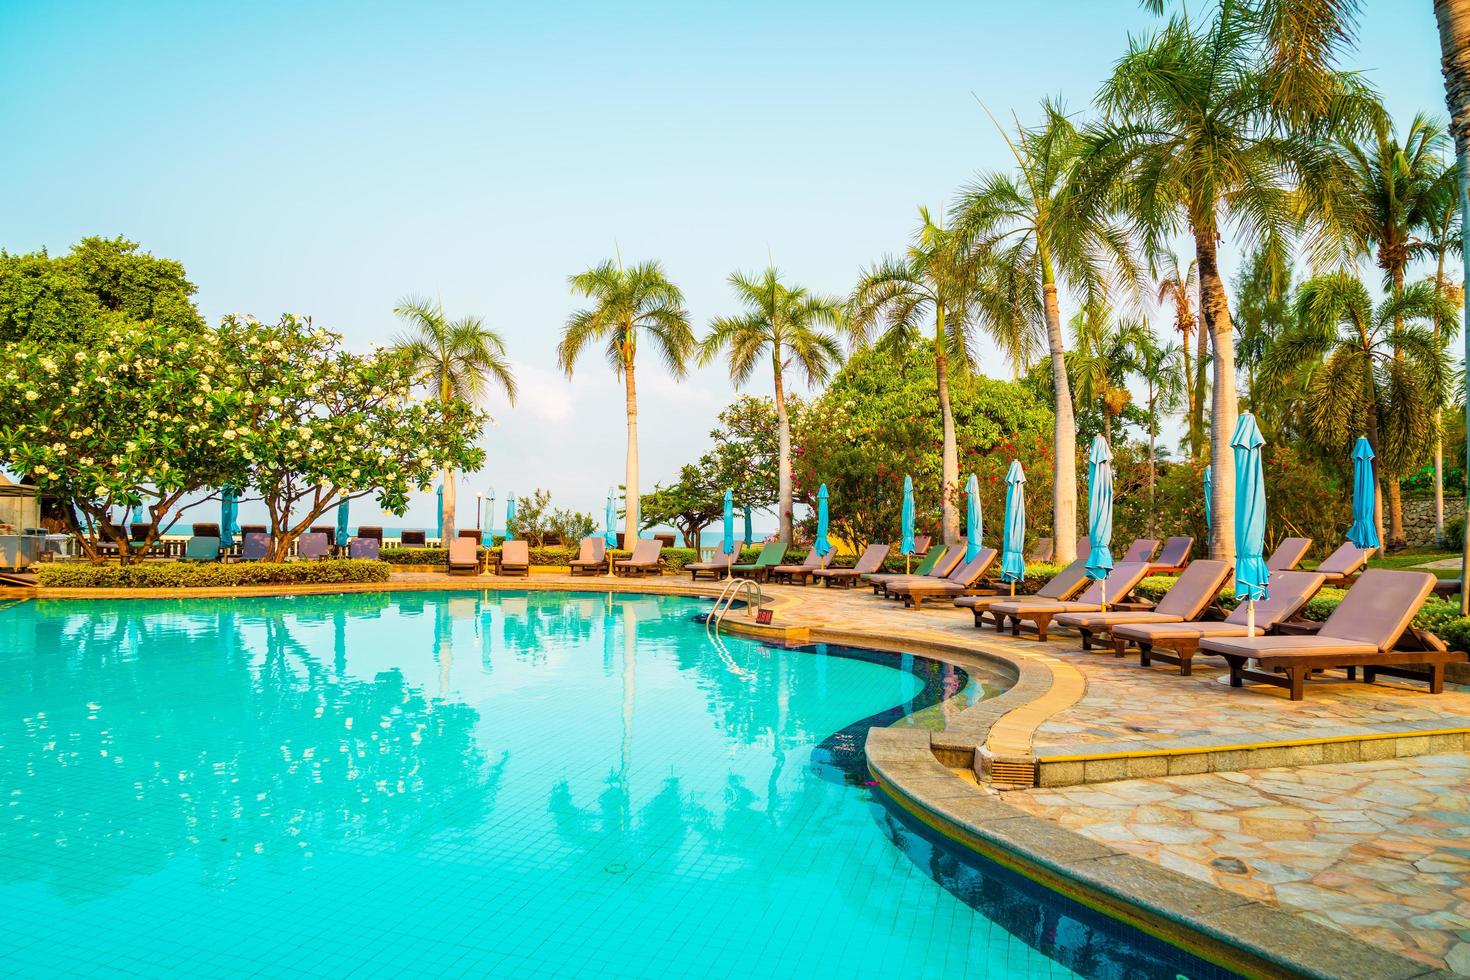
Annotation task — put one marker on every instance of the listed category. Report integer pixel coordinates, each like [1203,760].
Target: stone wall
[1419,518]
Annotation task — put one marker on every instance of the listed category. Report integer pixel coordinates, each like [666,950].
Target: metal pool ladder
[733,590]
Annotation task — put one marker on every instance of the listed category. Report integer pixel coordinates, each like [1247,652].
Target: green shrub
[188,575]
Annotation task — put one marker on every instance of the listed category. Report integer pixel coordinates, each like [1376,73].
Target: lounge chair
[1288,553]
[717,568]
[464,556]
[800,574]
[330,530]
[1174,556]
[592,558]
[412,539]
[514,559]
[1063,585]
[940,568]
[963,581]
[370,531]
[1041,550]
[1196,589]
[201,547]
[1366,630]
[1177,643]
[1343,565]
[930,558]
[312,546]
[770,556]
[1121,581]
[367,548]
[869,561]
[205,529]
[645,560]
[1142,549]
[255,545]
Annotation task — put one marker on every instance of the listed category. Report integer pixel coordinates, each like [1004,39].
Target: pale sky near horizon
[331,158]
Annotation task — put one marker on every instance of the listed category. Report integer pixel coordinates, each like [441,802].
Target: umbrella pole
[1250,617]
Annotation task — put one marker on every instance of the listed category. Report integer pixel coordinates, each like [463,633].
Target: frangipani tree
[143,422]
[786,324]
[455,361]
[317,424]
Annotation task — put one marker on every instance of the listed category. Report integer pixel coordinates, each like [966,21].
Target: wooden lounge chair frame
[717,568]
[963,581]
[591,557]
[647,559]
[1124,578]
[771,555]
[464,556]
[1347,563]
[872,558]
[946,558]
[1180,651]
[1210,577]
[1065,584]
[514,559]
[801,574]
[1174,556]
[1288,554]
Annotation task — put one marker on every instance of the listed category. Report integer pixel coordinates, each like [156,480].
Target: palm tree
[1162,370]
[787,324]
[1194,135]
[1179,287]
[1376,370]
[1389,193]
[1036,236]
[1439,240]
[627,303]
[1263,313]
[1101,357]
[456,360]
[937,276]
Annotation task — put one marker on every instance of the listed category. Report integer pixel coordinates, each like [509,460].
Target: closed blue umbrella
[342,524]
[610,520]
[972,518]
[490,514]
[229,508]
[749,535]
[1364,532]
[822,543]
[138,517]
[727,543]
[1251,574]
[1099,509]
[1012,555]
[439,527]
[907,546]
[1209,491]
[510,516]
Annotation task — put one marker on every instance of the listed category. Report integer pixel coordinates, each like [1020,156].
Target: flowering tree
[139,422]
[318,425]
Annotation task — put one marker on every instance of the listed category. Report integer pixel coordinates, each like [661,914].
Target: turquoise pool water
[470,784]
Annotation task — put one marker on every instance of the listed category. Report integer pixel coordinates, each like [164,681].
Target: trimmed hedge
[191,575]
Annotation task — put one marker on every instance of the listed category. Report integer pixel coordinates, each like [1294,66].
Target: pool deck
[1327,837]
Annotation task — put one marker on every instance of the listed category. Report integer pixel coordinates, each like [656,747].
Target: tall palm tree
[1037,237]
[1389,190]
[936,277]
[1376,370]
[1179,287]
[1195,136]
[1262,313]
[787,324]
[455,360]
[627,303]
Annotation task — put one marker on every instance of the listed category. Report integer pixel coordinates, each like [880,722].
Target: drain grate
[1013,773]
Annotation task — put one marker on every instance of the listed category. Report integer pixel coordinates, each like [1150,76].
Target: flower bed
[190,575]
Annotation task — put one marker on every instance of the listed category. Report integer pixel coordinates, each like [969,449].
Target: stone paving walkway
[1378,849]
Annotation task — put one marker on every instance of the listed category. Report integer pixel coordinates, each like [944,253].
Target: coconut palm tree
[1379,371]
[789,325]
[628,303]
[1100,359]
[1162,370]
[1179,287]
[939,277]
[1194,139]
[455,360]
[1037,237]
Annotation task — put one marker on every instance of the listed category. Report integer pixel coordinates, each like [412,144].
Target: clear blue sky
[329,158]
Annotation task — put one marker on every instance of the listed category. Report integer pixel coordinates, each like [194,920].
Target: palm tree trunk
[1215,313]
[447,481]
[1454,45]
[1188,394]
[1201,382]
[1397,539]
[1064,438]
[783,464]
[1439,541]
[630,473]
[1153,439]
[950,462]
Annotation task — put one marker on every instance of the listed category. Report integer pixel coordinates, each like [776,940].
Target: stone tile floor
[1377,849]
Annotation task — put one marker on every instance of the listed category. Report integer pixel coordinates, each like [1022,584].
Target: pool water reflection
[524,784]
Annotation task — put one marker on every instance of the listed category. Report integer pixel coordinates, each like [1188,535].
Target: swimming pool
[521,784]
